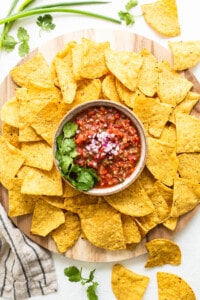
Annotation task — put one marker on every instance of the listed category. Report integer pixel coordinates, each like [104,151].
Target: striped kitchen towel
[26,269]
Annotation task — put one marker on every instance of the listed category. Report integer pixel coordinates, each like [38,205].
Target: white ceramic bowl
[136,122]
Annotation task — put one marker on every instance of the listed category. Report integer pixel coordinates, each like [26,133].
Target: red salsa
[107,141]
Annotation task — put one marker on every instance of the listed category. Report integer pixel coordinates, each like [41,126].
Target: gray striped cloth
[26,269]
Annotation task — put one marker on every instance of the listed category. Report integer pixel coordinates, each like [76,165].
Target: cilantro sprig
[126,15]
[75,275]
[82,178]
[45,22]
[9,42]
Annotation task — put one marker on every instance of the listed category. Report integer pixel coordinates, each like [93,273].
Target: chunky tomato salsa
[107,141]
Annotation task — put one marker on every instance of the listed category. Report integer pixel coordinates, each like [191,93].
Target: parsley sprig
[82,178]
[75,275]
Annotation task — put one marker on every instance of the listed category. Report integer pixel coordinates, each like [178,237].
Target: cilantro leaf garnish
[82,178]
[127,17]
[45,22]
[9,43]
[75,275]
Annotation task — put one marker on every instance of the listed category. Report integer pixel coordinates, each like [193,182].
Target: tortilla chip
[152,113]
[168,134]
[162,16]
[161,252]
[28,134]
[69,191]
[131,231]
[46,121]
[188,166]
[55,201]
[11,134]
[172,88]
[109,89]
[102,226]
[74,202]
[171,286]
[11,159]
[148,81]
[89,59]
[38,155]
[171,223]
[66,235]
[34,73]
[88,89]
[188,133]
[127,96]
[125,66]
[10,112]
[128,285]
[19,204]
[46,218]
[186,54]
[185,106]
[162,161]
[40,182]
[66,80]
[132,201]
[186,196]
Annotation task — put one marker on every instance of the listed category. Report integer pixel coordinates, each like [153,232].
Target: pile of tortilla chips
[168,187]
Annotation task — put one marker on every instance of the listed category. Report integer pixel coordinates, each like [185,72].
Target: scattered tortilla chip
[69,191]
[89,59]
[66,235]
[10,112]
[162,16]
[87,90]
[46,218]
[172,88]
[38,155]
[102,226]
[125,66]
[11,159]
[161,252]
[34,73]
[128,285]
[127,96]
[55,201]
[188,133]
[40,182]
[148,81]
[152,113]
[186,54]
[186,196]
[132,201]
[73,203]
[28,134]
[173,287]
[168,134]
[162,161]
[188,166]
[171,223]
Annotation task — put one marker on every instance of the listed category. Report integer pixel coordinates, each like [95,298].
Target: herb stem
[31,12]
[71,4]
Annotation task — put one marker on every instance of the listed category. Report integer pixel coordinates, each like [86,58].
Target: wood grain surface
[122,41]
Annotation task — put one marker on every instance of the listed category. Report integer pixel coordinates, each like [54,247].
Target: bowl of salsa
[100,147]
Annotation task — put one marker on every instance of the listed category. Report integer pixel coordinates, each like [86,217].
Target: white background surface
[189,238]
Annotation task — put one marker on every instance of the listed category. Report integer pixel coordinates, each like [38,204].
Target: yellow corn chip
[131,231]
[109,89]
[171,286]
[11,134]
[162,16]
[10,112]
[46,218]
[186,54]
[128,285]
[188,166]
[161,252]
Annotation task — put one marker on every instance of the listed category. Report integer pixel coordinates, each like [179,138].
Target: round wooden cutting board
[121,41]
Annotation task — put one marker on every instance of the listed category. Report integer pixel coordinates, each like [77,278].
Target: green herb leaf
[91,291]
[69,129]
[68,145]
[45,22]
[73,274]
[127,17]
[23,37]
[9,43]
[131,3]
